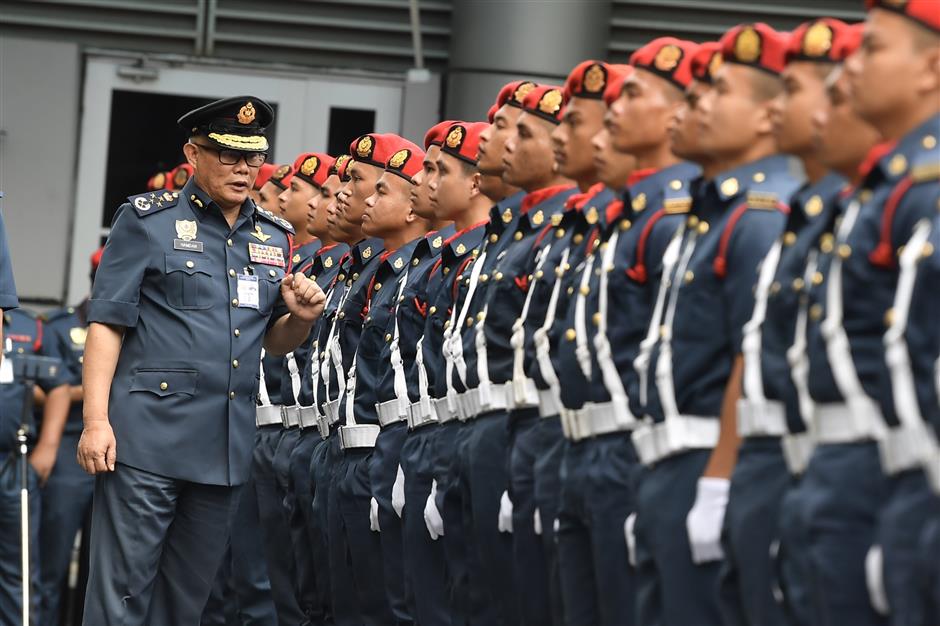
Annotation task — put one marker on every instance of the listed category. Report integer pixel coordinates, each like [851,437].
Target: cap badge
[818,40]
[364,147]
[398,159]
[594,79]
[186,229]
[246,114]
[714,64]
[159,180]
[281,172]
[180,177]
[522,91]
[309,166]
[667,58]
[747,45]
[550,102]
[455,137]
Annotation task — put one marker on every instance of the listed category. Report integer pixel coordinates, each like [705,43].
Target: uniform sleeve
[279,309]
[753,236]
[115,297]
[8,298]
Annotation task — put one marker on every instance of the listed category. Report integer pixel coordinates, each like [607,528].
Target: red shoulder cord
[720,265]
[883,254]
[638,272]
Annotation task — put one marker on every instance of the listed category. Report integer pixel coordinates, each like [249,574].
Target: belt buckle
[285,419]
[323,426]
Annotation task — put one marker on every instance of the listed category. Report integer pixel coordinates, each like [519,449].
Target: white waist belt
[904,447]
[591,421]
[268,415]
[548,407]
[838,423]
[678,433]
[421,415]
[388,412]
[761,418]
[530,391]
[470,405]
[308,416]
[358,436]
[290,416]
[797,448]
[444,414]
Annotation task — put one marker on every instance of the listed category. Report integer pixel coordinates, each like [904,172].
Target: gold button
[459,277]
[559,233]
[446,271]
[414,262]
[237,332]
[692,221]
[570,290]
[446,324]
[928,250]
[484,278]
[775,287]
[759,177]
[481,316]
[817,278]
[494,238]
[577,239]
[789,238]
[689,277]
[272,273]
[432,310]
[235,363]
[584,290]
[355,276]
[229,243]
[164,386]
[826,243]
[81,359]
[517,236]
[730,187]
[816,312]
[498,276]
[596,318]
[190,264]
[570,335]
[539,274]
[378,286]
[231,272]
[845,250]
[231,395]
[864,196]
[388,337]
[341,277]
[889,317]
[675,185]
[469,321]
[368,319]
[341,315]
[798,284]
[929,142]
[235,302]
[625,224]
[702,228]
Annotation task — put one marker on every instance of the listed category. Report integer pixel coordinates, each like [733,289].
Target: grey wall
[40,83]
[493,43]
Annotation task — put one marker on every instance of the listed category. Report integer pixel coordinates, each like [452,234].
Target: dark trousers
[551,446]
[275,532]
[529,562]
[360,546]
[425,566]
[758,484]
[300,512]
[671,589]
[482,476]
[11,556]
[597,495]
[910,506]
[383,470]
[930,570]
[792,558]
[156,545]
[241,594]
[845,490]
[66,498]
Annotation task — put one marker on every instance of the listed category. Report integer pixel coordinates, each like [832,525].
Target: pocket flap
[188,263]
[165,382]
[270,274]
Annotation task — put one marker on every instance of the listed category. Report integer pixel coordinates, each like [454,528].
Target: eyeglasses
[232,157]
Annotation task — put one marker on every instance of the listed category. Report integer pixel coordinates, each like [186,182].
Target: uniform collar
[811,201]
[539,206]
[332,255]
[366,250]
[395,261]
[893,160]
[657,187]
[736,182]
[463,241]
[433,243]
[539,196]
[304,252]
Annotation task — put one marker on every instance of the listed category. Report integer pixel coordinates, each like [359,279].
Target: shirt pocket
[269,287]
[165,382]
[188,282]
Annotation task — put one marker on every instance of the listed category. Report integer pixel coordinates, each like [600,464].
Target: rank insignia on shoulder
[762,200]
[677,205]
[152,201]
[925,172]
[274,219]
[556,219]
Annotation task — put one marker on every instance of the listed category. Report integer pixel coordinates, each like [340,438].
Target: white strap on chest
[753,382]
[456,323]
[540,337]
[333,351]
[350,392]
[797,356]
[397,362]
[263,397]
[517,340]
[582,351]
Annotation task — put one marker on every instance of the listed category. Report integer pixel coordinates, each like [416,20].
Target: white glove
[706,518]
[398,492]
[874,578]
[432,517]
[505,514]
[374,516]
[537,518]
[630,536]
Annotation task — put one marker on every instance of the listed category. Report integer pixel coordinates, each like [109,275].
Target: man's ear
[190,151]
[475,184]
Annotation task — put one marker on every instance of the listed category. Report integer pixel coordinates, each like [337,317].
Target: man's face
[493,140]
[571,140]
[451,194]
[317,208]
[684,131]
[228,185]
[843,138]
[730,118]
[528,160]
[792,111]
[361,185]
[334,212]
[268,196]
[613,167]
[421,190]
[292,202]
[640,117]
[388,207]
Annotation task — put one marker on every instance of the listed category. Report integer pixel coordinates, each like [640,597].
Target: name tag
[188,246]
[248,296]
[267,255]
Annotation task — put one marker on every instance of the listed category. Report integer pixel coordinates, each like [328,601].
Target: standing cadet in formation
[167,414]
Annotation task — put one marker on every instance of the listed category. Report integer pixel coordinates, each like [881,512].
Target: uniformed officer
[264,173]
[156,381]
[420,200]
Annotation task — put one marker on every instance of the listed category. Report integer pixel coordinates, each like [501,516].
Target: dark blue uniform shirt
[22,335]
[8,298]
[64,339]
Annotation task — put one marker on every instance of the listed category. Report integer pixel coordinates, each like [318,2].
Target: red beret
[313,167]
[547,102]
[706,61]
[281,176]
[264,173]
[178,176]
[157,181]
[816,41]
[755,45]
[463,140]
[618,74]
[513,94]
[588,80]
[435,135]
[406,159]
[924,12]
[371,149]
[96,258]
[668,58]
[850,40]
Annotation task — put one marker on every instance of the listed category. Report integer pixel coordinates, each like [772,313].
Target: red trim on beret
[756,45]
[924,12]
[668,58]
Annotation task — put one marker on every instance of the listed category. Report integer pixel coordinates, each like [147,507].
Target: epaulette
[151,201]
[274,219]
[925,167]
[763,200]
[677,198]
